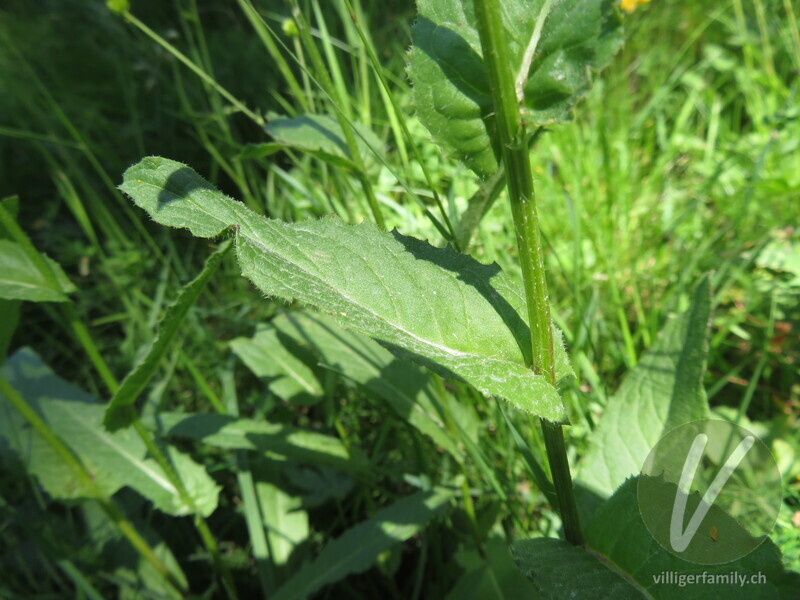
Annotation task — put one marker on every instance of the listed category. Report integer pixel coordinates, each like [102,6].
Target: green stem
[511,137]
[328,86]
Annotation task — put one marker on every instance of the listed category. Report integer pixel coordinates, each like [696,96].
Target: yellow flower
[630,5]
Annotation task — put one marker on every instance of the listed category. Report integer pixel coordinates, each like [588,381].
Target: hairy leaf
[442,309]
[114,460]
[619,534]
[552,45]
[358,548]
[618,539]
[560,570]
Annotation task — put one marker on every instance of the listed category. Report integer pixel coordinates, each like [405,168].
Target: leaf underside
[442,309]
[451,85]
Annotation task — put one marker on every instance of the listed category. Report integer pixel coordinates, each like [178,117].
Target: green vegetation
[167,431]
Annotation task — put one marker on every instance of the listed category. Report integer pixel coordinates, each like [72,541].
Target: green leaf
[442,309]
[288,377]
[20,278]
[114,460]
[358,549]
[120,410]
[560,570]
[403,385]
[11,204]
[280,441]
[664,390]
[619,534]
[451,86]
[251,151]
[322,136]
[624,561]
[318,485]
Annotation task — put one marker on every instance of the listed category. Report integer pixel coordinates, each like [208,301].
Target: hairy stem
[512,138]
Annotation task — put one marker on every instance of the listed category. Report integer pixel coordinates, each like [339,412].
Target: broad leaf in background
[560,570]
[619,534]
[114,460]
[121,559]
[403,385]
[317,485]
[321,136]
[279,441]
[664,390]
[552,44]
[120,411]
[20,279]
[442,309]
[286,374]
[358,549]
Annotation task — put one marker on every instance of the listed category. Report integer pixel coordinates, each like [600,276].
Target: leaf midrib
[109,441]
[241,231]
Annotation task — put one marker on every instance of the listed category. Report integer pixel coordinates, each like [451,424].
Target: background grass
[683,159]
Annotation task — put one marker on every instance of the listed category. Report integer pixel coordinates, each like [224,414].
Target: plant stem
[511,137]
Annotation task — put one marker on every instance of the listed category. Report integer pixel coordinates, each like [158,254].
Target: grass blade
[119,413]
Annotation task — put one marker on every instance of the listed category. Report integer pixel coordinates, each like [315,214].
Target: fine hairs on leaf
[439,308]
